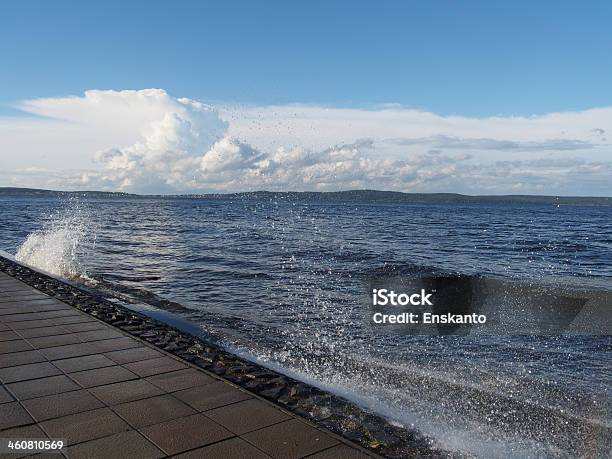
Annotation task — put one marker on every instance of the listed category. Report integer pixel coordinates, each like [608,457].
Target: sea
[280,280]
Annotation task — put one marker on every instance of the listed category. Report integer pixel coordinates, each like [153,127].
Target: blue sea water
[281,280]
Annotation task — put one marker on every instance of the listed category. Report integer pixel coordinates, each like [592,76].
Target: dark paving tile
[127,391]
[89,425]
[182,379]
[25,298]
[7,294]
[40,316]
[13,415]
[27,324]
[44,386]
[6,279]
[6,288]
[8,335]
[69,351]
[5,397]
[10,308]
[343,451]
[25,432]
[234,448]
[12,285]
[45,456]
[153,410]
[21,358]
[290,439]
[10,281]
[15,309]
[31,431]
[27,308]
[125,445]
[6,347]
[13,292]
[155,366]
[42,331]
[247,416]
[53,341]
[55,406]
[85,326]
[133,355]
[102,376]
[117,344]
[86,362]
[97,335]
[185,433]
[76,319]
[30,371]
[211,396]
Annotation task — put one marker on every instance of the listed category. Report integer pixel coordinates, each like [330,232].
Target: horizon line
[212,193]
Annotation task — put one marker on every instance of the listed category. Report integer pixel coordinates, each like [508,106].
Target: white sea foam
[58,247]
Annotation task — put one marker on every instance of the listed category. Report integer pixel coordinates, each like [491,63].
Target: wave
[59,247]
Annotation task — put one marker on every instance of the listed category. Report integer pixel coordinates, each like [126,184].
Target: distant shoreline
[348,196]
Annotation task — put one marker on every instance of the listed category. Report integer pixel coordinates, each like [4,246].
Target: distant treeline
[350,196]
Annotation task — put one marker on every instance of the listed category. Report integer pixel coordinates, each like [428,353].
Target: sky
[438,96]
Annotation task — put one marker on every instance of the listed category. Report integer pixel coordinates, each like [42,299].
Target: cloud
[228,155]
[170,149]
[316,127]
[443,141]
[149,141]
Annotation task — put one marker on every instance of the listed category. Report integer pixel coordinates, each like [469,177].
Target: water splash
[61,244]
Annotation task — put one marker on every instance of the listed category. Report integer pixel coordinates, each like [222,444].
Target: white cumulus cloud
[149,141]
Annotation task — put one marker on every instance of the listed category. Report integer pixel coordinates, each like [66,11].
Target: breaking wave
[58,248]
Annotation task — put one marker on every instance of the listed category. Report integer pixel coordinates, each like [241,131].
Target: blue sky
[450,57]
[431,96]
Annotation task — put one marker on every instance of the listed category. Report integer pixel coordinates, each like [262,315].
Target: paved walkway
[66,375]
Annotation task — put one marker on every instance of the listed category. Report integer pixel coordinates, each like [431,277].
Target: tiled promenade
[66,375]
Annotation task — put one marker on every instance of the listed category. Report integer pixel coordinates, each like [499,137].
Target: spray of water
[60,245]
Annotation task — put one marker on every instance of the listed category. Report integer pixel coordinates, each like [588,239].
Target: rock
[273,393]
[236,369]
[172,347]
[237,379]
[321,412]
[383,437]
[189,357]
[354,435]
[314,400]
[285,400]
[300,390]
[149,334]
[280,381]
[260,374]
[254,385]
[209,358]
